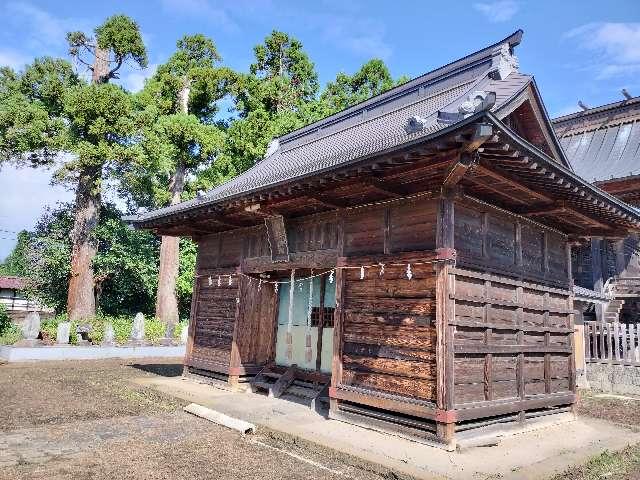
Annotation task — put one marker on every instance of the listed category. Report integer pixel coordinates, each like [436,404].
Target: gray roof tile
[602,143]
[370,127]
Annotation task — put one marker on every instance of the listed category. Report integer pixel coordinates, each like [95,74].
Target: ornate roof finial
[503,62]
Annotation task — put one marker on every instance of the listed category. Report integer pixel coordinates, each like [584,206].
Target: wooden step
[302,383]
[301,392]
[272,374]
[264,385]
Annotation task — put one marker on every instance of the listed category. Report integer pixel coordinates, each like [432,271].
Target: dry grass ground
[87,420]
[620,465]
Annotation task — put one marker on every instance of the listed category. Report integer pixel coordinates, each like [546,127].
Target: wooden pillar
[320,324]
[445,311]
[597,275]
[193,312]
[336,366]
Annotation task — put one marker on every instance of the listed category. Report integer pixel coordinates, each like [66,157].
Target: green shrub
[5,321]
[179,327]
[49,328]
[154,330]
[10,335]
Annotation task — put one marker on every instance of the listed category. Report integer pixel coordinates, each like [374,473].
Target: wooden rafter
[503,177]
[559,208]
[383,186]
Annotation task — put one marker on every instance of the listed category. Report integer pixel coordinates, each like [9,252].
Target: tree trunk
[81,301]
[100,66]
[166,300]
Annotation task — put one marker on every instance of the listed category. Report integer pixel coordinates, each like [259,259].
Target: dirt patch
[621,465]
[167,446]
[89,420]
[612,409]
[59,392]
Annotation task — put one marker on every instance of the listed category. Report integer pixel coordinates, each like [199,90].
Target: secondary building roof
[603,143]
[13,283]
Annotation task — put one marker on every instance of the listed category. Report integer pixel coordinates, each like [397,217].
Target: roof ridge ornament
[273,147]
[477,101]
[503,62]
[416,123]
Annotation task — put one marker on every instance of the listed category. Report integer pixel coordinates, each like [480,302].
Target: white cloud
[13,59]
[41,29]
[615,47]
[498,11]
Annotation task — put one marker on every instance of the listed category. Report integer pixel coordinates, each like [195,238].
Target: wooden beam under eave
[380,185]
[495,188]
[504,177]
[560,208]
[327,202]
[457,170]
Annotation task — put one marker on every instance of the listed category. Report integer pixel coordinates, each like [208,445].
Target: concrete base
[623,379]
[67,352]
[534,454]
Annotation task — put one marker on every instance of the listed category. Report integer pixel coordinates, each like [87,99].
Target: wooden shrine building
[603,146]
[411,252]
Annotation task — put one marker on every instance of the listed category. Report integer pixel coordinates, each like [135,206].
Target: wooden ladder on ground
[291,385]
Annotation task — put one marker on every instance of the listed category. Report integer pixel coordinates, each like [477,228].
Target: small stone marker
[137,330]
[30,330]
[109,336]
[82,334]
[167,340]
[184,335]
[62,333]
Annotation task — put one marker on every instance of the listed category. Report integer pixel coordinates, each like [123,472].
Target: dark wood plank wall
[489,240]
[213,315]
[387,339]
[254,336]
[388,333]
[234,337]
[513,328]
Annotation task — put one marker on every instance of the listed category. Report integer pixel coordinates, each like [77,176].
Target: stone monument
[137,330]
[30,330]
[63,332]
[184,335]
[109,339]
[167,340]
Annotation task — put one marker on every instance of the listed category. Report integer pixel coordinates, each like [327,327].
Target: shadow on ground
[161,369]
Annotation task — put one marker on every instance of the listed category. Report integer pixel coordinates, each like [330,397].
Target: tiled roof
[14,283]
[603,143]
[373,126]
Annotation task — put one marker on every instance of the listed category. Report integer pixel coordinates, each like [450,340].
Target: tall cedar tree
[180,137]
[277,96]
[50,116]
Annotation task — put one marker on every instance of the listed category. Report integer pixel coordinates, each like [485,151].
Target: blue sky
[578,50]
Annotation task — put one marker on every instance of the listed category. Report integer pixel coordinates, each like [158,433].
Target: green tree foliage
[125,265]
[16,262]
[372,79]
[181,135]
[48,113]
[276,97]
